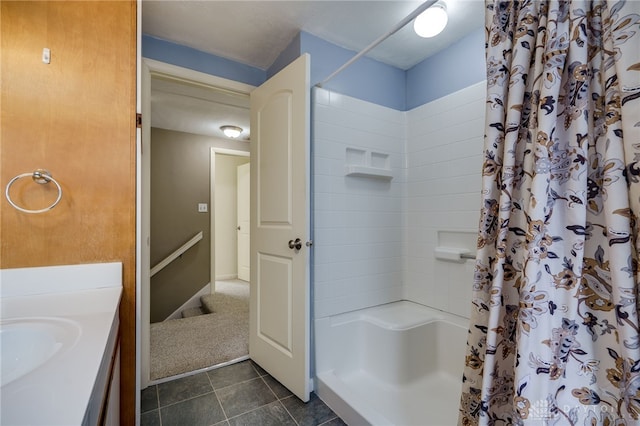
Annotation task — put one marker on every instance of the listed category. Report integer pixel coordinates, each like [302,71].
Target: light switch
[202,207]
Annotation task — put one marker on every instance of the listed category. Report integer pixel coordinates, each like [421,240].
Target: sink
[28,343]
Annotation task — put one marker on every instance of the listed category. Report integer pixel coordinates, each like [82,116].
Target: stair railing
[176,254]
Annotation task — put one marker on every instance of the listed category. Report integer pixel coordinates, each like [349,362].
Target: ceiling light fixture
[432,21]
[231,131]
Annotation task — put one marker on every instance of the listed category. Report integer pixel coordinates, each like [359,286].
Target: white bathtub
[394,364]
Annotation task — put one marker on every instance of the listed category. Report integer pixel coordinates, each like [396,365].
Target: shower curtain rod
[424,6]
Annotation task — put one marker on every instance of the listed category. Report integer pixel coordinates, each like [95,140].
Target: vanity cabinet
[112,405]
[104,404]
[71,313]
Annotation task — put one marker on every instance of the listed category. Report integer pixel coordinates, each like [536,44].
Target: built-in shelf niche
[367,163]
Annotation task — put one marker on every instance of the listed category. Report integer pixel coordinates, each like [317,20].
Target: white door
[244,191]
[279,308]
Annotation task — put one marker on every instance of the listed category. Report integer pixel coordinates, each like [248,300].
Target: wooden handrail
[173,256]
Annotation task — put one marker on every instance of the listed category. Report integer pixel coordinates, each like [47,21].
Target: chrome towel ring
[40,176]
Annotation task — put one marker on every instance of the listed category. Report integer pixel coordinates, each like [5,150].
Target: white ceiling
[183,107]
[256,32]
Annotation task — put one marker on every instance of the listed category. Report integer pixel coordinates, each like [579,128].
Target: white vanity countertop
[85,296]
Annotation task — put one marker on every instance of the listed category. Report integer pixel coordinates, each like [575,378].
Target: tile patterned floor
[238,394]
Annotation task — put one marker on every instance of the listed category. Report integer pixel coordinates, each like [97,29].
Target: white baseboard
[193,302]
[226,277]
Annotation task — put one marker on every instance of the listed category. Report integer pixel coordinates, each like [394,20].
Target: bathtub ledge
[400,315]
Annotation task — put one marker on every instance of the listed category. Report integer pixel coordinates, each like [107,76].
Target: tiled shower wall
[375,238]
[444,164]
[358,220]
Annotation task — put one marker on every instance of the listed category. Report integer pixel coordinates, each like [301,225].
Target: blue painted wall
[452,69]
[366,79]
[457,67]
[187,57]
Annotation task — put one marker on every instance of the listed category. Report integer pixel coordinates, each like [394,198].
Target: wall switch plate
[202,207]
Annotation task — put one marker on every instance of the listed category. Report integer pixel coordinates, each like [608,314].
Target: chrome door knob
[295,245]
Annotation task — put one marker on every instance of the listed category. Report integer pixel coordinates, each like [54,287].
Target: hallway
[218,334]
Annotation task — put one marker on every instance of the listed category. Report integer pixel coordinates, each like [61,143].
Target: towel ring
[39,176]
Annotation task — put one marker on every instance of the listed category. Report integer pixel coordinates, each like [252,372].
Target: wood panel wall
[76,118]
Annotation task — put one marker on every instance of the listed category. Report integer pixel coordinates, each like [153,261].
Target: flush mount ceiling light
[432,21]
[231,131]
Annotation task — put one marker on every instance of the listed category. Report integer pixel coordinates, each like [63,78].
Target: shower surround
[375,234]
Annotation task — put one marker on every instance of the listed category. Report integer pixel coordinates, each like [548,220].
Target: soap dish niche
[356,157]
[366,163]
[380,160]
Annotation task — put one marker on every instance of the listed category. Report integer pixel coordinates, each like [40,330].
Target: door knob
[297,244]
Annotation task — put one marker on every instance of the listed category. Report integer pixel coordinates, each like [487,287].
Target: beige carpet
[187,344]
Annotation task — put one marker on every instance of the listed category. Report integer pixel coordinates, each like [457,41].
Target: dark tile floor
[238,394]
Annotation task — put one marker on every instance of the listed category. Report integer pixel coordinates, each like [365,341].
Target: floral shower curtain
[554,336]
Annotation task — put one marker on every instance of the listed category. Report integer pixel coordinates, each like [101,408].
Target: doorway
[230,214]
[198,83]
[280,110]
[243,202]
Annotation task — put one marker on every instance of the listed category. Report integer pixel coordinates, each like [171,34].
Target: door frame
[212,202]
[150,67]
